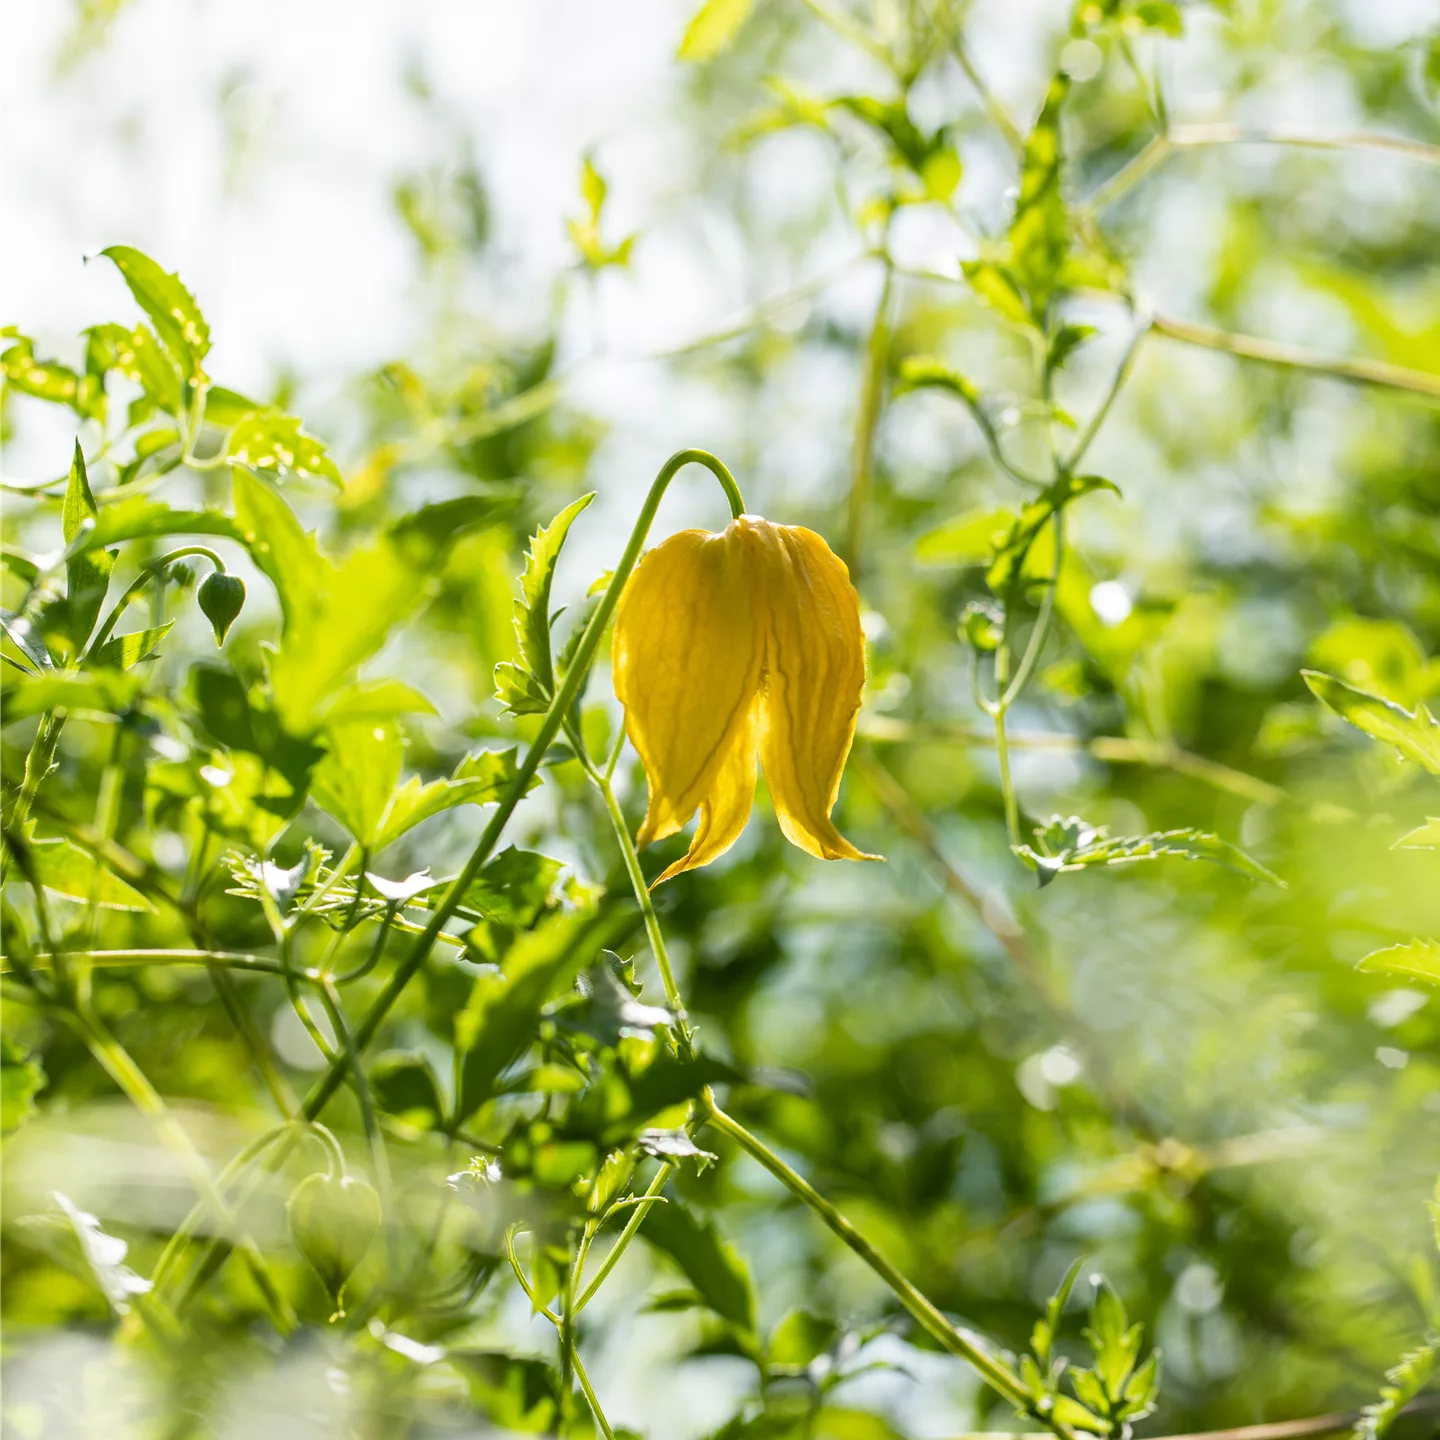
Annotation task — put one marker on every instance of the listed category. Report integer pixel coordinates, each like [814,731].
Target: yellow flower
[732,645]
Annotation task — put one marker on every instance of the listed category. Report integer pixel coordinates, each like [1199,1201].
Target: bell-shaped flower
[733,647]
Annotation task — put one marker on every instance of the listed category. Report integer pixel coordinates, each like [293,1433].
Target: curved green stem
[637,1217]
[560,707]
[955,1341]
[152,570]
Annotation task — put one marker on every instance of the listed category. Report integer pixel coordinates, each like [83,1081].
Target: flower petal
[814,680]
[727,804]
[687,655]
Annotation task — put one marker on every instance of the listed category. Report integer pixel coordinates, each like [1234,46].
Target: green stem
[121,1068]
[590,1396]
[560,707]
[872,389]
[38,761]
[637,1217]
[1296,357]
[152,570]
[628,854]
[955,1341]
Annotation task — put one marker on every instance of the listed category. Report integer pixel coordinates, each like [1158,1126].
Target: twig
[1296,357]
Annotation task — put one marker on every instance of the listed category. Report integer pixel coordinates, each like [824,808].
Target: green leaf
[969,539]
[106,692]
[501,1016]
[997,286]
[273,441]
[713,27]
[26,638]
[1414,734]
[479,779]
[404,1085]
[49,380]
[711,1265]
[87,575]
[1423,837]
[519,691]
[1008,566]
[22,1077]
[283,551]
[1414,960]
[929,372]
[377,700]
[514,887]
[1405,1382]
[426,535]
[140,357]
[355,781]
[532,614]
[62,866]
[800,1337]
[1071,844]
[227,408]
[126,650]
[1040,231]
[139,517]
[170,306]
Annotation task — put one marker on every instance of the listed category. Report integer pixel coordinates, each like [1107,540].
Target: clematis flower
[735,646]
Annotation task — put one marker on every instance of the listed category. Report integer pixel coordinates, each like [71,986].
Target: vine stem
[38,760]
[637,1216]
[872,387]
[1297,357]
[709,1112]
[924,1311]
[560,707]
[132,1080]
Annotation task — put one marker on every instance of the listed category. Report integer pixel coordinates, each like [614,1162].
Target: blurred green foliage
[1159,430]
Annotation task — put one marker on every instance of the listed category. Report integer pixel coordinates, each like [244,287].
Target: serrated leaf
[519,691]
[712,28]
[501,1016]
[532,614]
[87,575]
[22,1077]
[272,441]
[1414,960]
[1071,844]
[49,380]
[1404,1383]
[710,1263]
[140,357]
[1414,734]
[356,779]
[126,650]
[514,887]
[170,306]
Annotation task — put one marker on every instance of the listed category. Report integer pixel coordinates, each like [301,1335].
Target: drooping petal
[814,680]
[687,654]
[728,801]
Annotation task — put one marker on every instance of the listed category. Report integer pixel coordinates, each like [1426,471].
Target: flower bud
[221,595]
[333,1220]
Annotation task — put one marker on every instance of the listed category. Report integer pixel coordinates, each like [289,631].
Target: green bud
[221,595]
[982,624]
[333,1220]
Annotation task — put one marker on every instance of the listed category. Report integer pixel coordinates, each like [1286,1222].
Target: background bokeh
[1168,1068]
